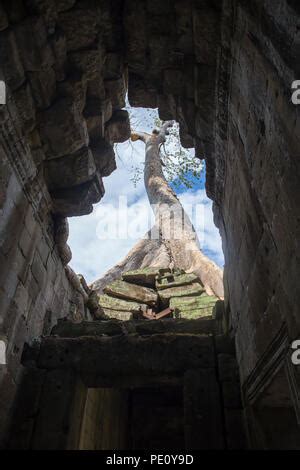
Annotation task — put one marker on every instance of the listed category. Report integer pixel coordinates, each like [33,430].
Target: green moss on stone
[176,280]
[125,290]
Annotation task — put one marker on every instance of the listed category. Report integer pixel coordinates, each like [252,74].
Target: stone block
[228,367]
[144,276]
[183,21]
[94,114]
[136,37]
[78,200]
[186,112]
[125,290]
[114,66]
[11,228]
[8,390]
[43,86]
[25,106]
[8,277]
[58,44]
[202,411]
[64,5]
[70,170]
[104,156]
[235,429]
[79,26]
[3,19]
[19,263]
[88,62]
[112,303]
[175,280]
[116,91]
[66,329]
[10,60]
[206,32]
[231,394]
[117,129]
[51,268]
[44,250]
[182,291]
[180,326]
[21,298]
[127,355]
[15,10]
[173,81]
[121,315]
[95,126]
[166,107]
[75,87]
[63,131]
[30,221]
[224,344]
[38,270]
[26,409]
[31,37]
[156,7]
[191,314]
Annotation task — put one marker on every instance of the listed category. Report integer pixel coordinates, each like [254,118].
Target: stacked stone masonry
[151,292]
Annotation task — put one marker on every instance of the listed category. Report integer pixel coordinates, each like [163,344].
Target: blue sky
[93,251]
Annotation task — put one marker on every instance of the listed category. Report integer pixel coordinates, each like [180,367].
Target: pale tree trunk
[175,243]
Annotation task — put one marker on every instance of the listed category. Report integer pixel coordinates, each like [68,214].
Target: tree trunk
[175,242]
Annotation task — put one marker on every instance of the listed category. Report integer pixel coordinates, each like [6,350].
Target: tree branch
[140,136]
[163,131]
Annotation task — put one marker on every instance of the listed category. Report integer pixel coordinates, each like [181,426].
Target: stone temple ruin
[222,378]
[143,293]
[113,375]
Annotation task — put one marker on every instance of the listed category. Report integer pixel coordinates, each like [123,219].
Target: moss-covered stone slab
[125,290]
[194,306]
[118,314]
[68,329]
[176,280]
[181,291]
[192,302]
[145,276]
[113,303]
[113,327]
[191,314]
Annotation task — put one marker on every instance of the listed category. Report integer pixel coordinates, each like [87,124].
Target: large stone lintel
[67,329]
[94,358]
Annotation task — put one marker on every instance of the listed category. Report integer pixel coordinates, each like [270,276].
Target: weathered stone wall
[63,66]
[223,69]
[57,129]
[259,198]
[34,287]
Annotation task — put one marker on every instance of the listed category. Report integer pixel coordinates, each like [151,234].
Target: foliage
[180,167]
[179,164]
